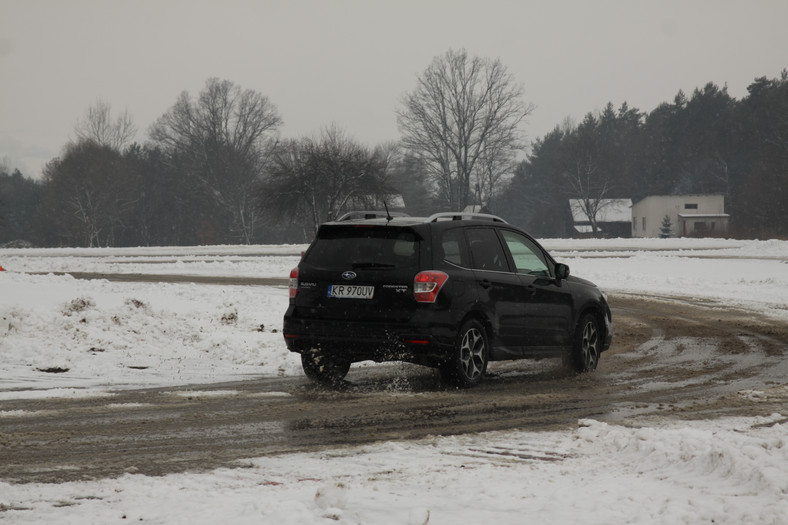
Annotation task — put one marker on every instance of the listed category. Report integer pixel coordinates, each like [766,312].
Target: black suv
[452,291]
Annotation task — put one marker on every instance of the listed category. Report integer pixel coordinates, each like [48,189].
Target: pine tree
[666,230]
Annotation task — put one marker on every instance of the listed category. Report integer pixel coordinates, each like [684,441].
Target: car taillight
[426,286]
[293,282]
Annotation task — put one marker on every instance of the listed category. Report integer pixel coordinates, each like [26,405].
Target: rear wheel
[324,367]
[587,345]
[468,363]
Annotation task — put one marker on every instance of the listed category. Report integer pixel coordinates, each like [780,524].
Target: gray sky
[348,62]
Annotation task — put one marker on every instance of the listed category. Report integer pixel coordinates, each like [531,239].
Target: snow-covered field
[101,336]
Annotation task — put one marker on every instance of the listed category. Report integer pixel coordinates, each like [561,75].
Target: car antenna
[389,218]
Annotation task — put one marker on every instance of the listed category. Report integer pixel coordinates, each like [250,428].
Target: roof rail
[464,216]
[369,214]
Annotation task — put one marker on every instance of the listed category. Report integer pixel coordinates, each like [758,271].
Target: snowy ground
[100,336]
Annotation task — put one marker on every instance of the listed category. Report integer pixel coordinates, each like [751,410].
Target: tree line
[215,170]
[706,143]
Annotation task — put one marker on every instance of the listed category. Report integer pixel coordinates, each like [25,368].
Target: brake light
[293,282]
[427,285]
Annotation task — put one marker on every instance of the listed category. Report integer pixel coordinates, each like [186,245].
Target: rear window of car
[364,247]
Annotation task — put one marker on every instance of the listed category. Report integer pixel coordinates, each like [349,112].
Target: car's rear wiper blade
[372,265]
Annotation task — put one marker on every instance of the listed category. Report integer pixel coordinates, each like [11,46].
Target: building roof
[704,216]
[678,196]
[610,210]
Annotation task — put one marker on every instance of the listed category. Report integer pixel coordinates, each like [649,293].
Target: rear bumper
[362,341]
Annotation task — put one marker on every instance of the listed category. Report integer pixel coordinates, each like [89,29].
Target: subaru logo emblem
[348,275]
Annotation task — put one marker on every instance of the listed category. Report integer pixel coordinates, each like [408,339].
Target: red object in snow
[2,269]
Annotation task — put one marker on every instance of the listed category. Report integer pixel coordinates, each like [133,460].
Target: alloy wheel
[590,345]
[472,353]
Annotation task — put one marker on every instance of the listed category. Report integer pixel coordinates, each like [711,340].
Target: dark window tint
[452,244]
[486,250]
[364,247]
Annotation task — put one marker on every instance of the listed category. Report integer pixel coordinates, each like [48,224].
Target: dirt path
[175,278]
[671,358]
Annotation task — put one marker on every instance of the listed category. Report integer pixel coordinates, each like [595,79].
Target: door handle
[484,283]
[531,289]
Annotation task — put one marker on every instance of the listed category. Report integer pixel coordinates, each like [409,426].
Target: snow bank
[60,332]
[729,471]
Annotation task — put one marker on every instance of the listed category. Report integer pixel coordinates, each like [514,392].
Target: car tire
[587,345]
[323,367]
[468,363]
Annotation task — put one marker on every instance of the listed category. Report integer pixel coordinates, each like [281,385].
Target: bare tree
[493,165]
[99,127]
[463,112]
[591,198]
[315,180]
[588,187]
[89,194]
[588,182]
[222,140]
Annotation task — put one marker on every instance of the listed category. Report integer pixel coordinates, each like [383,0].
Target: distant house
[687,215]
[613,218]
[476,208]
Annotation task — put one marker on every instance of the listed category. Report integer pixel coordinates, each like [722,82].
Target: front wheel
[587,345]
[468,363]
[323,367]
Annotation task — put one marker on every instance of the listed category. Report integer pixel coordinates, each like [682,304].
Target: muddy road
[680,359]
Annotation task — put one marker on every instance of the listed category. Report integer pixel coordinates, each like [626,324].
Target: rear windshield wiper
[372,265]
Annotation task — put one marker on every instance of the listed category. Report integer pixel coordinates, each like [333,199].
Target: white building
[689,215]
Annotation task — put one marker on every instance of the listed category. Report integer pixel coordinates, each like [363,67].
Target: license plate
[351,291]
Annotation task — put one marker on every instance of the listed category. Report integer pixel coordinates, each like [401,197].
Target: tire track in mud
[671,358]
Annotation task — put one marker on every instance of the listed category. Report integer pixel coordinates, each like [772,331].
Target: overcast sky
[348,62]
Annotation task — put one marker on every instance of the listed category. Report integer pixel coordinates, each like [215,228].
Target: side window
[452,246]
[486,250]
[528,258]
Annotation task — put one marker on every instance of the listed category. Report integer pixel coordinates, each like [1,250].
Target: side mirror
[561,271]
